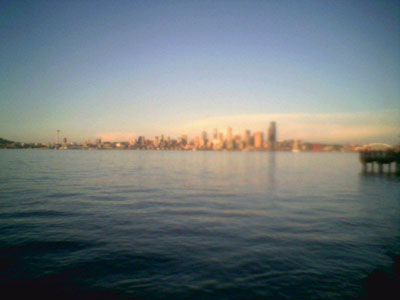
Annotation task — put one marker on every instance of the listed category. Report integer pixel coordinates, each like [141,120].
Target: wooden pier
[381,155]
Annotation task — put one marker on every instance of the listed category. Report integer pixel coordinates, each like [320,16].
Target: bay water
[193,225]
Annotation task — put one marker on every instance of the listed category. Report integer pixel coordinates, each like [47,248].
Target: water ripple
[183,225]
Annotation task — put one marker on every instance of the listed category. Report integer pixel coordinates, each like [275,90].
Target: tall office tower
[203,140]
[247,138]
[272,135]
[58,137]
[229,134]
[196,142]
[184,139]
[229,140]
[259,140]
[204,135]
[142,140]
[215,134]
[65,141]
[156,141]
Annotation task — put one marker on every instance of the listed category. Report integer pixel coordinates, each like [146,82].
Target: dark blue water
[193,225]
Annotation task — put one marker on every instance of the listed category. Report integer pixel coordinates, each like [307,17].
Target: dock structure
[381,155]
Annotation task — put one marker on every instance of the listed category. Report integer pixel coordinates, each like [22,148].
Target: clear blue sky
[98,68]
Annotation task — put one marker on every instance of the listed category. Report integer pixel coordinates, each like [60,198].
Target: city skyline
[317,128]
[217,141]
[325,71]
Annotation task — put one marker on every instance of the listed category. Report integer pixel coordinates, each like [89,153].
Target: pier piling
[381,157]
[364,167]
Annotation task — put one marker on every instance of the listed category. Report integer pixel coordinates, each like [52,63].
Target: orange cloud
[116,136]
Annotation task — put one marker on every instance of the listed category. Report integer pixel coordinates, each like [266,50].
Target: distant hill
[5,142]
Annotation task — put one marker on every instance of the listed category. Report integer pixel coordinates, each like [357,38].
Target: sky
[325,71]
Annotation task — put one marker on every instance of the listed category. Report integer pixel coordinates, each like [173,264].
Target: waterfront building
[132,142]
[296,147]
[316,147]
[107,145]
[216,145]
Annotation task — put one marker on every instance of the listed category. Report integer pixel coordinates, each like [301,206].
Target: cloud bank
[360,127]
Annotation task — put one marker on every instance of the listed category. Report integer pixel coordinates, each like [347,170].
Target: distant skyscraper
[215,134]
[204,139]
[272,135]
[196,141]
[259,140]
[229,140]
[221,137]
[58,137]
[157,141]
[247,138]
[185,139]
[141,140]
[229,134]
